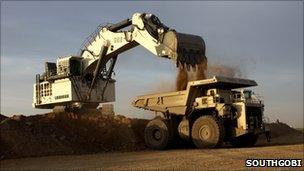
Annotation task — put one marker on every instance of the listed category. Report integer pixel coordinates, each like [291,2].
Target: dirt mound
[282,134]
[2,117]
[69,133]
[282,129]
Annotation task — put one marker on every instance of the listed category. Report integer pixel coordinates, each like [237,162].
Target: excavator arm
[145,30]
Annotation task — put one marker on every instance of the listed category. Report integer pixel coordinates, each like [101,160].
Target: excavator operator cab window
[75,67]
[50,69]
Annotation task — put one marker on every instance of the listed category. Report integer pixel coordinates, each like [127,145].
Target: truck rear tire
[247,140]
[158,134]
[207,132]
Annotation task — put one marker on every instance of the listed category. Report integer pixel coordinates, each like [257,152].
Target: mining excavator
[85,80]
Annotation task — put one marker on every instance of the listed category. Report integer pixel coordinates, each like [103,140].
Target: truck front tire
[158,134]
[207,132]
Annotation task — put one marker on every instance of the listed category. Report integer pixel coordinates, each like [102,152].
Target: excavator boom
[145,30]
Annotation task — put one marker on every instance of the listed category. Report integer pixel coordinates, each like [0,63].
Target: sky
[264,40]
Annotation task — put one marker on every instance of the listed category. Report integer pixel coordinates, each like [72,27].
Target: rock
[53,135]
[62,137]
[17,117]
[28,123]
[107,109]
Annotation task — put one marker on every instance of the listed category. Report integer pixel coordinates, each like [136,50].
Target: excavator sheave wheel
[158,134]
[247,140]
[207,132]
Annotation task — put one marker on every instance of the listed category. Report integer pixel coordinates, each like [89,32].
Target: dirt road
[181,159]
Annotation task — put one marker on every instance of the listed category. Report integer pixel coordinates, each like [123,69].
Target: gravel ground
[178,159]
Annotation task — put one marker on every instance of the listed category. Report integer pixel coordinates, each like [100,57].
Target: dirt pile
[282,134]
[69,133]
[2,117]
[280,129]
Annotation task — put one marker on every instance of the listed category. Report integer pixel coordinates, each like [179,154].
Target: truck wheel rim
[205,132]
[157,134]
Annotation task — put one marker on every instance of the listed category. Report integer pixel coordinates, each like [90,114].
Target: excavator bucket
[189,49]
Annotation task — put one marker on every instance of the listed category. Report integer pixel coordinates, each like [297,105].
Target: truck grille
[254,117]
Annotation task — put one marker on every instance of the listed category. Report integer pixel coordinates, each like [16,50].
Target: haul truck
[209,112]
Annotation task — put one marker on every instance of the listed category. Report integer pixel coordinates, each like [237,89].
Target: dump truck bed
[180,101]
[173,102]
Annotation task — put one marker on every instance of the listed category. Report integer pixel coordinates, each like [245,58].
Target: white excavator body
[86,79]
